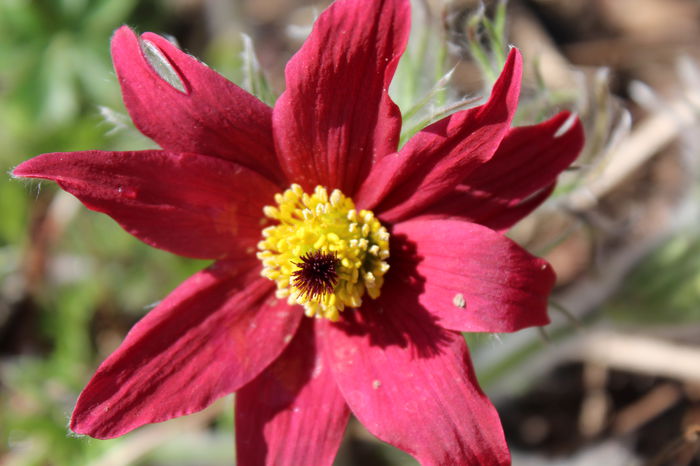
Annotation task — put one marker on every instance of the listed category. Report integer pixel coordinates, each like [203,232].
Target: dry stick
[644,355]
[595,405]
[646,139]
[651,405]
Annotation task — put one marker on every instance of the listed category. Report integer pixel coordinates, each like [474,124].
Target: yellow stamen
[323,254]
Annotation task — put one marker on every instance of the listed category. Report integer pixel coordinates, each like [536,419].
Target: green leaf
[254,80]
[161,65]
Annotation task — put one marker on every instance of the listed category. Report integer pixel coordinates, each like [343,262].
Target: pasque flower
[310,209]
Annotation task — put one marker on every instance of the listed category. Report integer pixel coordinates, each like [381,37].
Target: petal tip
[568,123]
[514,62]
[29,168]
[80,427]
[17,172]
[549,276]
[122,35]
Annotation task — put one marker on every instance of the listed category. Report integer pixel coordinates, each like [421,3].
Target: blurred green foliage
[92,279]
[665,287]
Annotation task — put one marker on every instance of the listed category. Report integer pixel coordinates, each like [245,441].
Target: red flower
[398,362]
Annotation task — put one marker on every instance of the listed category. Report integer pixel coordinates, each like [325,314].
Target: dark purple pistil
[317,274]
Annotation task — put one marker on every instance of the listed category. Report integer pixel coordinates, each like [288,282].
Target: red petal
[189,204]
[411,383]
[293,413]
[469,277]
[483,208]
[213,334]
[336,118]
[500,218]
[213,116]
[437,159]
[529,158]
[497,194]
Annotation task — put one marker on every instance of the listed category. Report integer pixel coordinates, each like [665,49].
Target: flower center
[323,253]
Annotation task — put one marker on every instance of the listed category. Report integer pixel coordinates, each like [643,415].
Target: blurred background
[614,380]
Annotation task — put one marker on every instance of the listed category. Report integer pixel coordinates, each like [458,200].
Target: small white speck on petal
[459,301]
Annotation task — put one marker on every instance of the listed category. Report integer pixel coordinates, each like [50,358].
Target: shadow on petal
[292,413]
[396,318]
